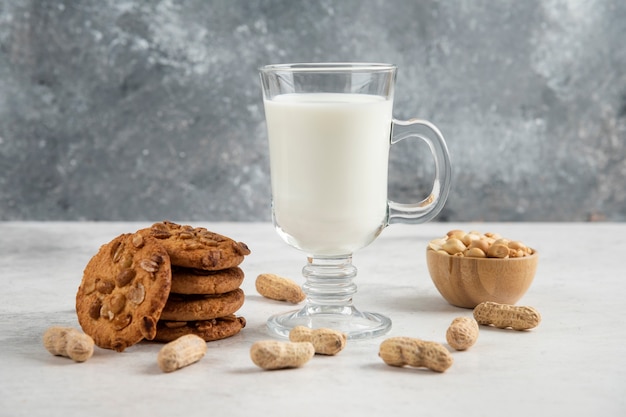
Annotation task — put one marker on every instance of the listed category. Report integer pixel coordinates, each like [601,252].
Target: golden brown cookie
[209,330]
[202,307]
[196,247]
[124,288]
[198,281]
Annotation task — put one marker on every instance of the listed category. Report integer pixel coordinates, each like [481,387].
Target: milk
[329,155]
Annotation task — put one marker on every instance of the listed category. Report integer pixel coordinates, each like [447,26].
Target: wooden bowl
[467,282]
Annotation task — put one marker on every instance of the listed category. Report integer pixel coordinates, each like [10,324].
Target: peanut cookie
[209,330]
[202,307]
[198,281]
[124,288]
[196,247]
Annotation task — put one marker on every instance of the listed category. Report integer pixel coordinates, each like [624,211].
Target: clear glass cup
[330,128]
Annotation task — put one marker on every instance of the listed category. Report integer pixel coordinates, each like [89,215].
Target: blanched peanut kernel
[476,245]
[453,246]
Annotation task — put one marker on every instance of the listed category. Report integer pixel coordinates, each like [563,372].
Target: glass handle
[428,208]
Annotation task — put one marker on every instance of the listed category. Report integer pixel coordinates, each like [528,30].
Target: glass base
[329,289]
[347,319]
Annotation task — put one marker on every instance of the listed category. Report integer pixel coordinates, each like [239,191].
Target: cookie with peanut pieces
[123,291]
[198,281]
[196,247]
[202,307]
[209,330]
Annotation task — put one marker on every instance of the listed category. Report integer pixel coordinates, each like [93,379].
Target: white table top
[573,364]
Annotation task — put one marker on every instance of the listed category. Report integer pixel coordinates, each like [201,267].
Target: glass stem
[329,281]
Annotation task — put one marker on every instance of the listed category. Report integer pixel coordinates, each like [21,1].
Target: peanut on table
[505,316]
[325,341]
[279,288]
[181,352]
[273,354]
[68,342]
[401,351]
[462,333]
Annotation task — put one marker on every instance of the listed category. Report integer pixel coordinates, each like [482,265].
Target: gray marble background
[145,110]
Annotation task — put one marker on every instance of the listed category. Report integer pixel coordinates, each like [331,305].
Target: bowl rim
[474,258]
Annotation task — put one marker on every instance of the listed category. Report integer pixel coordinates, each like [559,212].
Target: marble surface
[135,110]
[572,364]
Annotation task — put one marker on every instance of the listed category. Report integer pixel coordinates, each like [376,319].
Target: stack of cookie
[161,283]
[203,303]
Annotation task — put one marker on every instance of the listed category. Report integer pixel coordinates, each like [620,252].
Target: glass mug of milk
[330,128]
